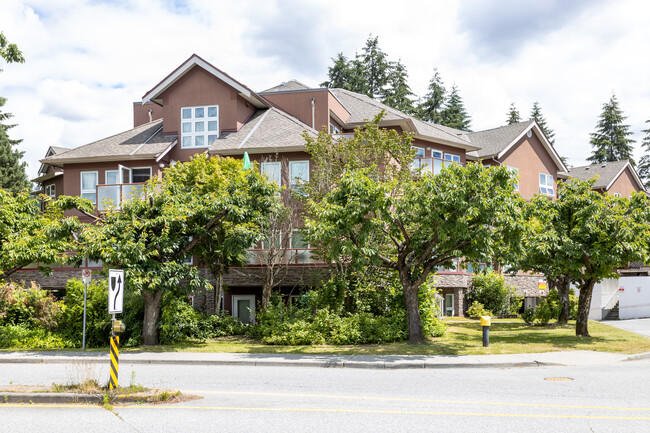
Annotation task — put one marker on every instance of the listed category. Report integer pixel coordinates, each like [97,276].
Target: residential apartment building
[199,108]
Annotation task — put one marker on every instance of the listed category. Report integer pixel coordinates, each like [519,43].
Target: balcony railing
[112,196]
[292,256]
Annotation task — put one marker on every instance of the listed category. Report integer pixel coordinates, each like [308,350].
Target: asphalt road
[608,398]
[640,326]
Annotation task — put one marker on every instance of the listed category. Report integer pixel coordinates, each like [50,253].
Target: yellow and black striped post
[115,360]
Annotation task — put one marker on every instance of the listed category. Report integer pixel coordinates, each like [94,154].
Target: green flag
[247,161]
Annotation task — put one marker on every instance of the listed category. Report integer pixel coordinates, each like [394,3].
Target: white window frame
[293,184]
[449,309]
[117,176]
[141,168]
[122,170]
[546,185]
[617,194]
[88,191]
[50,191]
[516,170]
[193,121]
[235,298]
[452,158]
[277,164]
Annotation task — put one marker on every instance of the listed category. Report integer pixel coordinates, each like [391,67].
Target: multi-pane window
[111,177]
[199,126]
[516,172]
[140,175]
[50,191]
[546,184]
[272,171]
[434,163]
[89,185]
[298,173]
[300,248]
[452,158]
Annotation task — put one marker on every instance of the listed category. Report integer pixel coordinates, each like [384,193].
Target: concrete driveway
[640,326]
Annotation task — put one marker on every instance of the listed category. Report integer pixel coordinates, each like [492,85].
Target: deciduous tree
[378,216]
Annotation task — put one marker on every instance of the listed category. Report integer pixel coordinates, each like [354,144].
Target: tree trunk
[413,320]
[584,304]
[151,317]
[218,290]
[266,288]
[563,287]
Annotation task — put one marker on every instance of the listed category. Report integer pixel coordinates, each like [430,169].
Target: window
[140,175]
[300,253]
[89,185]
[273,172]
[516,171]
[334,128]
[616,194]
[298,173]
[199,126]
[452,158]
[546,184]
[111,177]
[50,191]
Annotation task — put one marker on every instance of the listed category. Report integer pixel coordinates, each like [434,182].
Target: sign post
[85,278]
[115,304]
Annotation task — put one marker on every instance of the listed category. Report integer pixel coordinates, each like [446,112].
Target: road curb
[638,356]
[351,364]
[50,398]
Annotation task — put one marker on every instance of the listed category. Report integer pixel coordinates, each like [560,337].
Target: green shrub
[546,311]
[491,290]
[28,306]
[98,321]
[476,310]
[23,337]
[528,316]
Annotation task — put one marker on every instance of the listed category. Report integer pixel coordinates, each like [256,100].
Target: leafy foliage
[610,142]
[586,236]
[491,290]
[376,215]
[29,234]
[30,307]
[476,310]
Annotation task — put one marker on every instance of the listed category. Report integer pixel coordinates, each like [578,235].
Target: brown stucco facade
[531,158]
[625,184]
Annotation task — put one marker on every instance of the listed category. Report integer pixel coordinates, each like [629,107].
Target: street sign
[115,290]
[85,276]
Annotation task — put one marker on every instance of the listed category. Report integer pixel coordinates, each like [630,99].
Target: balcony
[291,256]
[112,196]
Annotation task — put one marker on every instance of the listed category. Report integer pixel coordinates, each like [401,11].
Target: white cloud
[87,61]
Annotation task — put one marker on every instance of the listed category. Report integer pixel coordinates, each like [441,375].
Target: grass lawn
[463,337]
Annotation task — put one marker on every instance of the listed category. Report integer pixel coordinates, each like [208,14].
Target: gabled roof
[268,130]
[196,61]
[52,150]
[363,108]
[289,86]
[143,142]
[494,143]
[607,173]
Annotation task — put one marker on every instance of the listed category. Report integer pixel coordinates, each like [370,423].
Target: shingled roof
[607,173]
[143,142]
[267,130]
[289,86]
[494,141]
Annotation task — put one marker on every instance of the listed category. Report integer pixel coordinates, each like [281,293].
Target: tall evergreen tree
[375,67]
[644,164]
[513,115]
[12,170]
[345,74]
[536,115]
[431,107]
[398,94]
[454,115]
[610,142]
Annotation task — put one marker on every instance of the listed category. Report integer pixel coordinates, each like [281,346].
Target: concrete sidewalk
[577,358]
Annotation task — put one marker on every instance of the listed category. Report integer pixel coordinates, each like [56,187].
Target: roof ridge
[374,102]
[435,125]
[527,122]
[139,127]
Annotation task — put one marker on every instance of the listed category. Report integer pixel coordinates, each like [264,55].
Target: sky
[87,61]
